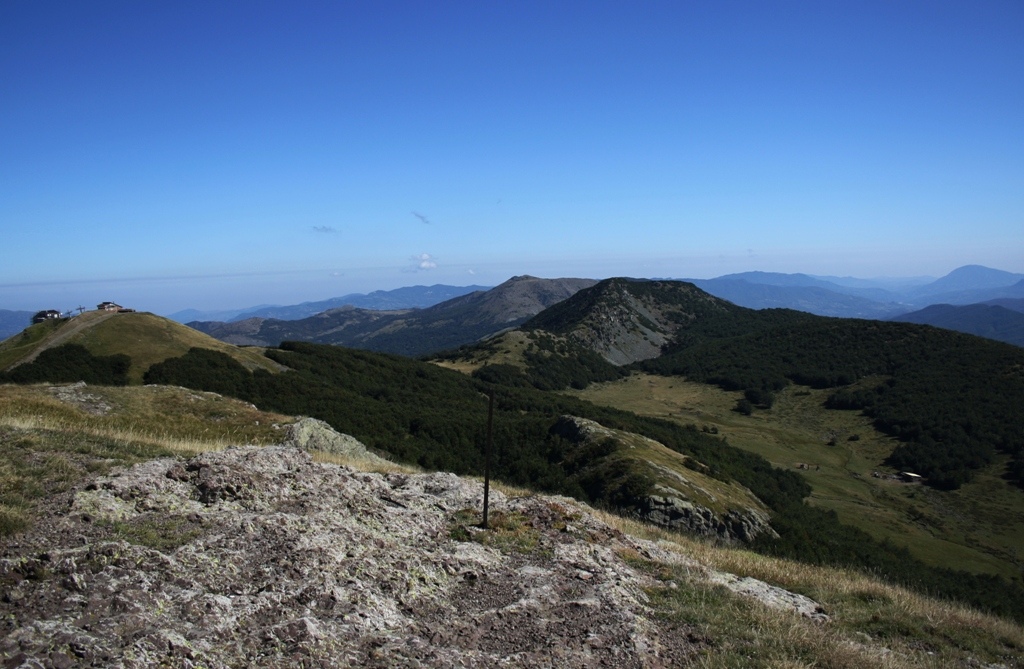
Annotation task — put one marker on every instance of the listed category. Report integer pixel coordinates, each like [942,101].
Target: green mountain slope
[143,337]
[938,403]
[951,399]
[840,454]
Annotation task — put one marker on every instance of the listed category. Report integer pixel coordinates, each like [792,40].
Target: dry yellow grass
[144,337]
[129,435]
[53,436]
[873,624]
[364,464]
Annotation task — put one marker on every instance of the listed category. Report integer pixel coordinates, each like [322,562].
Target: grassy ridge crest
[144,337]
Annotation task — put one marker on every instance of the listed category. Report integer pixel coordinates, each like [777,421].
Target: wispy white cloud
[423,262]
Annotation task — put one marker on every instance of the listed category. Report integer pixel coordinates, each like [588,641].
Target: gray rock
[262,557]
[311,434]
[771,596]
[685,516]
[76,395]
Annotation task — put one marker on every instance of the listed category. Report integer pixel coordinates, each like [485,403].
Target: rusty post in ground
[487,456]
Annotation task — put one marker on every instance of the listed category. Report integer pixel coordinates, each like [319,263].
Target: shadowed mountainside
[408,297]
[984,320]
[628,320]
[410,332]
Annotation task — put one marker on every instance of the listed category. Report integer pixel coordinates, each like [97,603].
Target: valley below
[975,528]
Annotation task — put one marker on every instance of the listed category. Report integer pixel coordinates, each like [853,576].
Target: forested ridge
[954,400]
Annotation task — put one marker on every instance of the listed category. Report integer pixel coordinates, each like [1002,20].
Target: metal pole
[487,456]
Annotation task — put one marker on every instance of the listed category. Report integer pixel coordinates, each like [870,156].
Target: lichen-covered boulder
[311,434]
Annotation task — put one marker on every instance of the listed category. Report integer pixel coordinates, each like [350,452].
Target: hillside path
[75,325]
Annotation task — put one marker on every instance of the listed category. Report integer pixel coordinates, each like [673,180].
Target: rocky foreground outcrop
[262,557]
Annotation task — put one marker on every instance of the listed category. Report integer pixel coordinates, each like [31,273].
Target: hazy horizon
[157,294]
[173,155]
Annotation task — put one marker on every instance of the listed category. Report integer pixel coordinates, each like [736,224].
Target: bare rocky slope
[261,557]
[628,320]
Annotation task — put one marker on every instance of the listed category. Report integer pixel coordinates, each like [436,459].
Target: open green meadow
[976,528]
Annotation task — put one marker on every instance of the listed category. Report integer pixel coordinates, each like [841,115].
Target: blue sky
[167,155]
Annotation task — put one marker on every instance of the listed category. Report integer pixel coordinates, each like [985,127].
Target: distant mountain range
[421,319]
[985,320]
[410,297]
[451,323]
[13,322]
[394,322]
[811,297]
[860,298]
[847,297]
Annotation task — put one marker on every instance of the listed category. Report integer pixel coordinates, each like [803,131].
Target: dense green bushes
[552,365]
[435,417]
[69,363]
[953,399]
[213,370]
[506,375]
